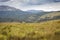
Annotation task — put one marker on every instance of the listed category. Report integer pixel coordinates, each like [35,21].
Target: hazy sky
[46,5]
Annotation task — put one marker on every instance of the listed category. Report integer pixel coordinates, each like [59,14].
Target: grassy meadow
[49,30]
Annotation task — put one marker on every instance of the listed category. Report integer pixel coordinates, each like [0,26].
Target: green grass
[49,30]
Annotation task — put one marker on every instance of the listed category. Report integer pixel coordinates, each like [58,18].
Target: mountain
[11,14]
[8,8]
[51,16]
[35,11]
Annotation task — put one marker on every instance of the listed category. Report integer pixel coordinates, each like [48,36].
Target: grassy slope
[49,30]
[51,15]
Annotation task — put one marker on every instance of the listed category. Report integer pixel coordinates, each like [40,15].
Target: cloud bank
[4,0]
[46,5]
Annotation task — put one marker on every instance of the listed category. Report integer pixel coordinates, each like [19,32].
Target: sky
[46,5]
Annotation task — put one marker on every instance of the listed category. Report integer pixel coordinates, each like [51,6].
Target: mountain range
[11,14]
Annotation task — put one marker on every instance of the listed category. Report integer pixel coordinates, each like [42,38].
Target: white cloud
[46,7]
[33,4]
[4,0]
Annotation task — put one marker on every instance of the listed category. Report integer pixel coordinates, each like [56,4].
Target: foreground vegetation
[49,30]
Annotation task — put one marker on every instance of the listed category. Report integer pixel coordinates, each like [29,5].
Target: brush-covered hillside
[50,16]
[49,30]
[11,14]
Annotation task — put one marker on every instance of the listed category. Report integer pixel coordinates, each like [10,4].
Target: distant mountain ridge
[35,11]
[7,8]
[11,14]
